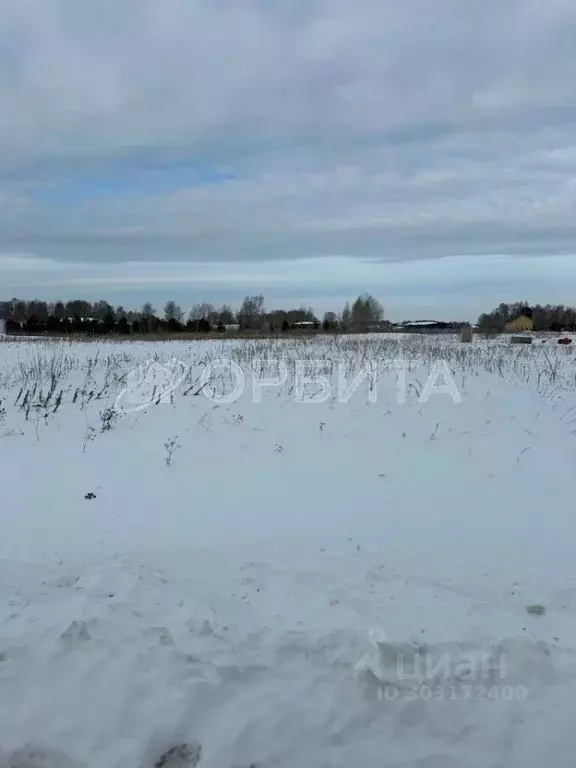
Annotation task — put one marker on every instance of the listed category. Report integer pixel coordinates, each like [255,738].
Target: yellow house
[520,323]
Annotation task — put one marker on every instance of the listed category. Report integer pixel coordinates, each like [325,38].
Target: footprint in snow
[180,756]
[74,635]
[31,756]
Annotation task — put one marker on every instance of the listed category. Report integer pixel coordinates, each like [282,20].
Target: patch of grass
[536,609]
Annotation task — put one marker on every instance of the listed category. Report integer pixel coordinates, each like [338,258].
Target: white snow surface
[266,591]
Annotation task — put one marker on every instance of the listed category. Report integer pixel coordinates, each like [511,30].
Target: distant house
[305,325]
[381,325]
[422,324]
[519,324]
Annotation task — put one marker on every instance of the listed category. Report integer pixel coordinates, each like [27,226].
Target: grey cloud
[376,129]
[109,76]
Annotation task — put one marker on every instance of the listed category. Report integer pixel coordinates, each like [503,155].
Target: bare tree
[148,314]
[202,311]
[251,312]
[79,308]
[38,309]
[366,311]
[173,311]
[346,317]
[101,310]
[226,315]
[20,310]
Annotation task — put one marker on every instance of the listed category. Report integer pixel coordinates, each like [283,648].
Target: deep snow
[266,592]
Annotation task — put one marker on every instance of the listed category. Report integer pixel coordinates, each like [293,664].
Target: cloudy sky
[422,150]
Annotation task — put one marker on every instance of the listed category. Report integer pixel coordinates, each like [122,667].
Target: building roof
[421,323]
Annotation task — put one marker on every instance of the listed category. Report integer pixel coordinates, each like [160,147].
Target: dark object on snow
[90,495]
[536,609]
[565,341]
[521,339]
[180,756]
[30,755]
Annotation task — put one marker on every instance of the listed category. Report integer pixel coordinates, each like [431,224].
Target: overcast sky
[421,150]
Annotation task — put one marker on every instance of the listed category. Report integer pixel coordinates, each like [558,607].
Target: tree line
[100,318]
[551,317]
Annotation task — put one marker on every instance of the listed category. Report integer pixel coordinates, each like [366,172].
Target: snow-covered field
[291,576]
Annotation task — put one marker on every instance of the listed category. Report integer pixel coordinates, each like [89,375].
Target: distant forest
[100,318]
[364,314]
[545,318]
